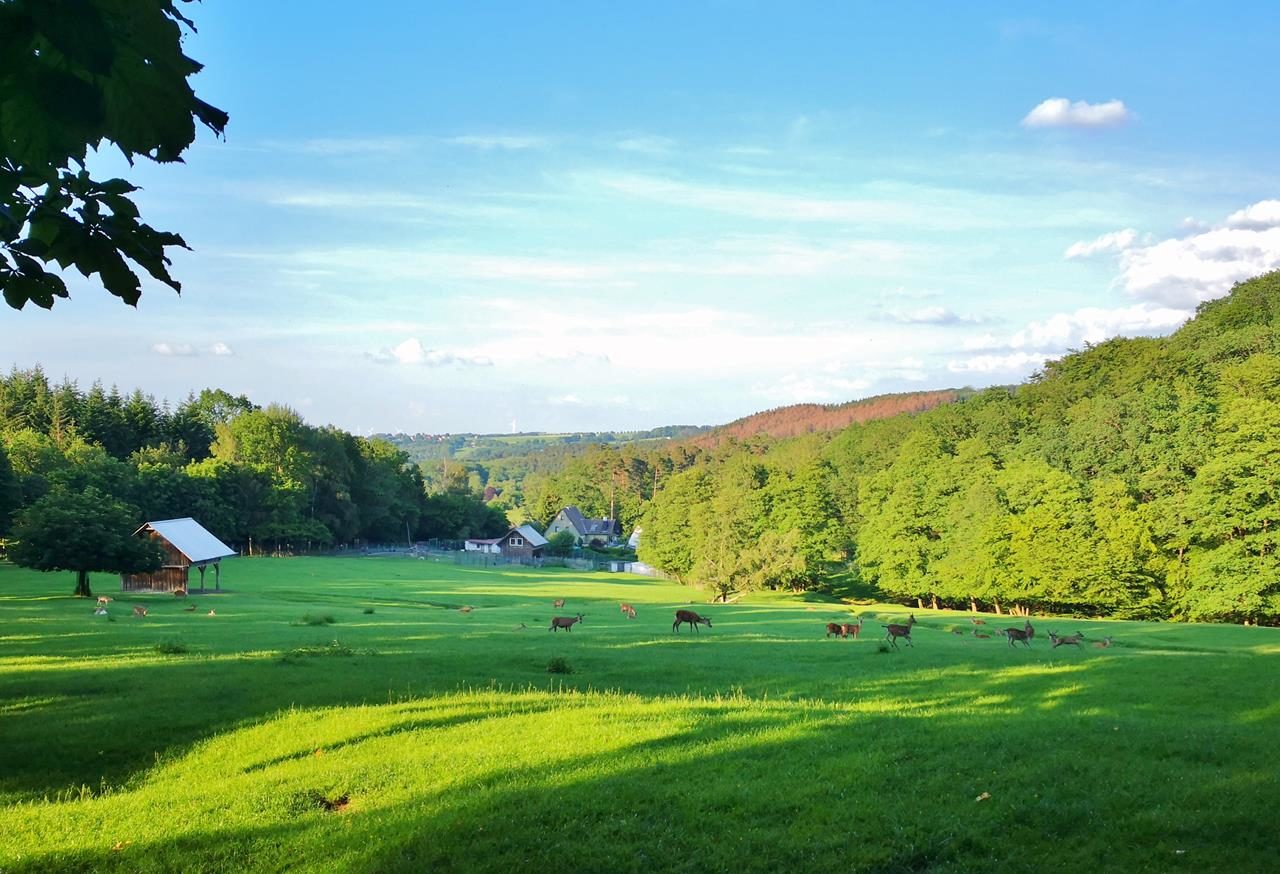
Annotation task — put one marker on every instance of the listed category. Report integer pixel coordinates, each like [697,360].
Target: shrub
[559,665]
[172,647]
[368,611]
[321,619]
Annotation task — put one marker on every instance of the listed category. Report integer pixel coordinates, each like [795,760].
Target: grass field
[348,715]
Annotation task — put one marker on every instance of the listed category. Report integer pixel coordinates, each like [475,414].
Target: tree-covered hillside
[1137,477]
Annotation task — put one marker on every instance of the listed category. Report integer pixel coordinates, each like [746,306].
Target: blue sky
[595,216]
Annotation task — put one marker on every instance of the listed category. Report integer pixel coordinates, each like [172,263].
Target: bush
[368,611]
[321,619]
[172,647]
[559,665]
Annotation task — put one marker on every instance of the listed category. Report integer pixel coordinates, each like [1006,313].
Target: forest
[260,478]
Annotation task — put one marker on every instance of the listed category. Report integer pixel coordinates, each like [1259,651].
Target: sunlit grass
[422,737]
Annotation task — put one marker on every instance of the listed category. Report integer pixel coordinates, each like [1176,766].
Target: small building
[522,541]
[589,532]
[186,544]
[476,544]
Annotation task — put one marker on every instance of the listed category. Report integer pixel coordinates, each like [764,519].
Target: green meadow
[391,714]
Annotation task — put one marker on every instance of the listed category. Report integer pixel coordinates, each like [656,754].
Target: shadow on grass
[744,785]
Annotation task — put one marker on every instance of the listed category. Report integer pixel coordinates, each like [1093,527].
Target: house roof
[190,538]
[486,541]
[588,527]
[530,534]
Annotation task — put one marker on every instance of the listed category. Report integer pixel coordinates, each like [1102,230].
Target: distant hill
[798,419]
[489,447]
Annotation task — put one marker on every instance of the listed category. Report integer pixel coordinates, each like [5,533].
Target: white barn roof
[531,535]
[190,538]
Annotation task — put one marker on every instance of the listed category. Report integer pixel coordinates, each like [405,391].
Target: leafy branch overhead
[73,74]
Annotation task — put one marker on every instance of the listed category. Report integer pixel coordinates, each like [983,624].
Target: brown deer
[979,634]
[1070,639]
[1022,635]
[903,631]
[1105,643]
[103,601]
[558,603]
[978,621]
[139,611]
[180,593]
[629,611]
[852,629]
[565,622]
[835,628]
[694,620]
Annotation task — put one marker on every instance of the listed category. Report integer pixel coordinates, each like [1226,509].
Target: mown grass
[437,739]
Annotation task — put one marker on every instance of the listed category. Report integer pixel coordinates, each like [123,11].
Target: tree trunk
[934,599]
[919,604]
[973,605]
[82,585]
[996,602]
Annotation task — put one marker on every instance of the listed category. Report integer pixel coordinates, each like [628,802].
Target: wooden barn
[187,544]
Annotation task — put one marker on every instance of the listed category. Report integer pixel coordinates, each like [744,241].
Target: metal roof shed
[187,544]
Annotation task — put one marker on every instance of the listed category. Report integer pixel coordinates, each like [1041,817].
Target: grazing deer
[629,611]
[979,634]
[558,603]
[1103,644]
[694,620]
[835,628]
[139,611]
[1022,635]
[103,601]
[190,608]
[852,629]
[565,622]
[978,621]
[1070,639]
[903,631]
[180,593]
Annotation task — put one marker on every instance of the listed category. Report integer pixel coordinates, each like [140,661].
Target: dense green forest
[1137,478]
[252,475]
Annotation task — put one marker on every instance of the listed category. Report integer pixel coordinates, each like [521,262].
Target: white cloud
[508,142]
[1094,324]
[221,349]
[1116,241]
[185,350]
[1256,217]
[1011,364]
[931,315]
[1061,112]
[1185,272]
[412,352]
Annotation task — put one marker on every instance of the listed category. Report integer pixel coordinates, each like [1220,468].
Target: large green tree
[73,75]
[82,531]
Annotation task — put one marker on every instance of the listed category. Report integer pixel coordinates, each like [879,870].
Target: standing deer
[835,628]
[629,611]
[565,622]
[692,618]
[1070,639]
[1022,635]
[903,631]
[852,629]
[558,603]
[139,611]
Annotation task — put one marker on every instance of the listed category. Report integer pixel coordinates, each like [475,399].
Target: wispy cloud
[1117,241]
[412,352]
[185,350]
[221,350]
[509,142]
[931,315]
[346,146]
[1061,112]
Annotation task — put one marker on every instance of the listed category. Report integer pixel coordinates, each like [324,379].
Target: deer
[1070,639]
[694,620]
[852,629]
[978,621]
[835,628]
[979,634]
[903,631]
[180,592]
[1022,635]
[103,600]
[1103,644]
[139,611]
[565,622]
[558,603]
[629,611]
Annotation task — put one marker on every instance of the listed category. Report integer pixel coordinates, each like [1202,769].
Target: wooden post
[202,578]
[217,576]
